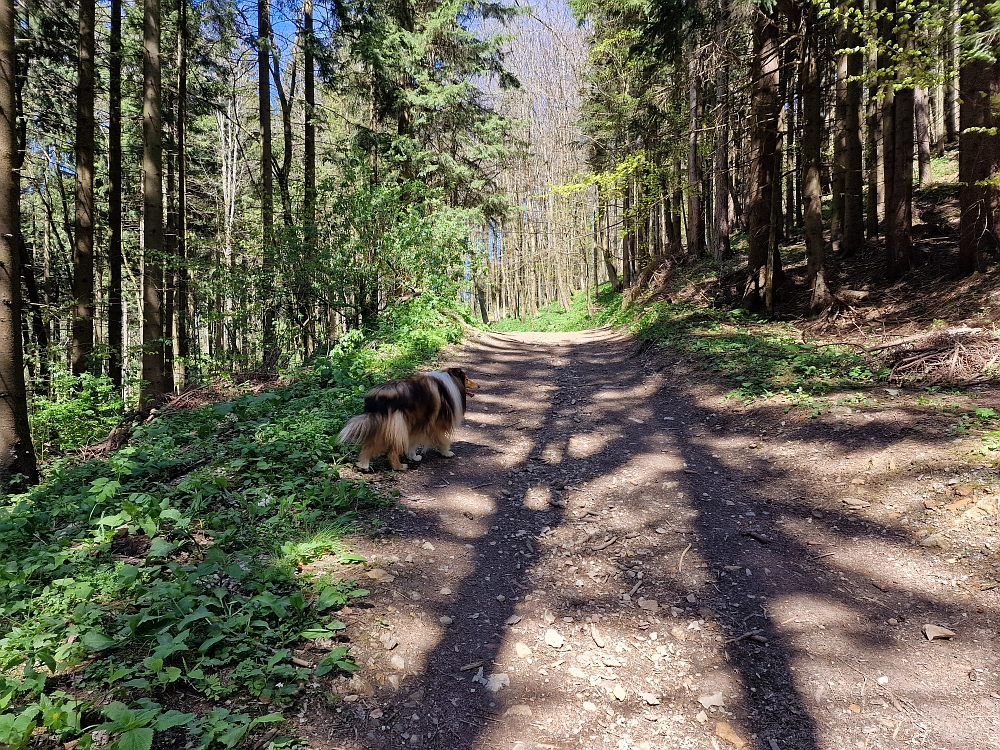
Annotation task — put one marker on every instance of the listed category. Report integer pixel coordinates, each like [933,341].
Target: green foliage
[80,410]
[763,358]
[174,565]
[553,317]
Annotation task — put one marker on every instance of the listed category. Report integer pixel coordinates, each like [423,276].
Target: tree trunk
[720,245]
[839,172]
[696,216]
[153,385]
[951,51]
[181,293]
[83,228]
[115,317]
[309,144]
[873,140]
[854,177]
[17,454]
[812,144]
[763,261]
[923,128]
[899,202]
[978,162]
[266,184]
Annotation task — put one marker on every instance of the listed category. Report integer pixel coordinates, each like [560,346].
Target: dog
[403,416]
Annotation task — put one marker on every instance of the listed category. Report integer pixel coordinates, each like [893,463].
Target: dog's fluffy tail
[364,428]
[360,429]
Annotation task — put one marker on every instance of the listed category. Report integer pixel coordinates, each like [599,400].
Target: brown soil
[717,573]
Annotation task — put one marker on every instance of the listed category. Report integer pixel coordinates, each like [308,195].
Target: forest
[221,222]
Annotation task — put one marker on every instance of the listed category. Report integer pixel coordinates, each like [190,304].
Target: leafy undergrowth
[148,595]
[762,358]
[553,318]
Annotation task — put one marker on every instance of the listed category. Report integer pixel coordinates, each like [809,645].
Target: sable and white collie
[403,416]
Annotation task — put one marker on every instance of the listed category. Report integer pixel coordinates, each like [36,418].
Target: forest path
[634,561]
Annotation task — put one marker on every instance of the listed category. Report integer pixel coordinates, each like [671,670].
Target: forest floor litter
[620,556]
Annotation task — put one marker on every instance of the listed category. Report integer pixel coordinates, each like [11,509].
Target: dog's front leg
[444,447]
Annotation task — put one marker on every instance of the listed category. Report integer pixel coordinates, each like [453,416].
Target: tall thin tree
[153,385]
[115,312]
[266,180]
[83,239]
[17,454]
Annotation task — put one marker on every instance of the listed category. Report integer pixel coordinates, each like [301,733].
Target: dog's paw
[448,454]
[363,467]
[416,457]
[402,467]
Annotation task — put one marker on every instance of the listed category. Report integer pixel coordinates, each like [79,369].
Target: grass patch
[763,358]
[553,318]
[169,574]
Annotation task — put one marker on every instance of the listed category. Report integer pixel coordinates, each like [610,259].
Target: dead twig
[680,562]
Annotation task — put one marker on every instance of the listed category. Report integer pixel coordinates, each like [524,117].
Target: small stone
[512,620]
[708,701]
[930,503]
[854,708]
[892,621]
[501,598]
[817,513]
[376,713]
[588,706]
[619,692]
[397,662]
[933,632]
[724,731]
[521,709]
[854,503]
[701,717]
[445,620]
[497,681]
[388,641]
[417,695]
[650,605]
[553,638]
[577,672]
[427,545]
[522,650]
[650,699]
[958,505]
[964,490]
[883,680]
[935,540]
[596,635]
[377,574]
[661,530]
[445,591]
[692,599]
[351,698]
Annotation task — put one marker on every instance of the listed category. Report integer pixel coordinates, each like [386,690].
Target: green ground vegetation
[169,574]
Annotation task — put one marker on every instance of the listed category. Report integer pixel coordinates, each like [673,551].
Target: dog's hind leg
[412,453]
[394,461]
[443,445]
[364,461]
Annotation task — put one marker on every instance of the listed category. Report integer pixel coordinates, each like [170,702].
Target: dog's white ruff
[454,394]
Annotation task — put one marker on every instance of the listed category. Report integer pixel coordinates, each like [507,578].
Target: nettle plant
[173,567]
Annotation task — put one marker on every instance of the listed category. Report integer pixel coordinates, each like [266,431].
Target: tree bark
[17,454]
[83,227]
[266,184]
[696,216]
[182,291]
[720,242]
[764,264]
[115,317]
[923,134]
[839,171]
[812,143]
[153,385]
[978,162]
[854,177]
[951,50]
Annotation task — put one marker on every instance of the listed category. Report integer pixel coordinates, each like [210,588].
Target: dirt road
[620,557]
